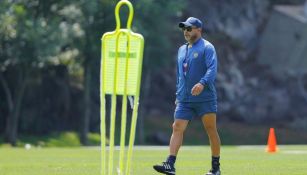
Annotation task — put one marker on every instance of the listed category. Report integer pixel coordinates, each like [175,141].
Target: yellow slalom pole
[102,125]
[124,103]
[124,112]
[132,134]
[102,116]
[112,134]
[135,111]
[120,77]
[113,110]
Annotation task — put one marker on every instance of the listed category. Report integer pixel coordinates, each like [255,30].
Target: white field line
[294,152]
[281,148]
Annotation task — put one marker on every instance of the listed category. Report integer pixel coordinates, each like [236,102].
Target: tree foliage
[50,59]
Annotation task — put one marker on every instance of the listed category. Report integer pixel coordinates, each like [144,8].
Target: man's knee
[178,126]
[210,128]
[209,121]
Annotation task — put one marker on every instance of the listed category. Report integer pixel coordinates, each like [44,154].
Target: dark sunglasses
[189,29]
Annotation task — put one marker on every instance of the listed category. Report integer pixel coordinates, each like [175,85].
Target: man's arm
[211,63]
[177,75]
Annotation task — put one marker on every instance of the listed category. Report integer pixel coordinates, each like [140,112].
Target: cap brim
[184,24]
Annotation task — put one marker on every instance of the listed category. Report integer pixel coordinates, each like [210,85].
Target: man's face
[190,33]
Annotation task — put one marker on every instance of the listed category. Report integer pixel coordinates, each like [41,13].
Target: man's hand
[197,89]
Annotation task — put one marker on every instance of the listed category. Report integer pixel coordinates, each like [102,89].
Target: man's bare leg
[209,122]
[168,167]
[179,127]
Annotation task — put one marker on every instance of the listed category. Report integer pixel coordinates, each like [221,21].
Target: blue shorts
[189,110]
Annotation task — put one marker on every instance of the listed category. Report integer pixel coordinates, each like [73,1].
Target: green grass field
[192,160]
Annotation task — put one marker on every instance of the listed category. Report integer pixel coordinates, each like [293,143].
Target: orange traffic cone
[271,147]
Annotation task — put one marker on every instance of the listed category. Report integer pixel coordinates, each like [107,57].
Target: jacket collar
[195,43]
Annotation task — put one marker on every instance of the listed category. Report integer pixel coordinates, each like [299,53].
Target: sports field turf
[192,160]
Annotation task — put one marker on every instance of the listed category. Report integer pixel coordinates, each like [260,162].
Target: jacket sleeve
[211,63]
[177,67]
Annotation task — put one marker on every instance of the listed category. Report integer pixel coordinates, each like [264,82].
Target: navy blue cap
[191,21]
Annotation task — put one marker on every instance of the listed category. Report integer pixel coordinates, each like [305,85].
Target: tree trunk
[8,93]
[87,104]
[63,102]
[11,127]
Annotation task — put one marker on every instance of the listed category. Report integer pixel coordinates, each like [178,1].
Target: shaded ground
[231,133]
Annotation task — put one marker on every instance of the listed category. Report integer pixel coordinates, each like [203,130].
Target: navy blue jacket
[202,68]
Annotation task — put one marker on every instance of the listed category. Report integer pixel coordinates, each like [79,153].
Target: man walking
[196,95]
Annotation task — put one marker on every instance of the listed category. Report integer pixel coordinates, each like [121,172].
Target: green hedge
[64,139]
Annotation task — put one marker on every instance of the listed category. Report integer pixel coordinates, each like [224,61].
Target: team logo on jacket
[195,54]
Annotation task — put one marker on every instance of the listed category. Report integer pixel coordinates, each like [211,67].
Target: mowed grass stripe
[192,160]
